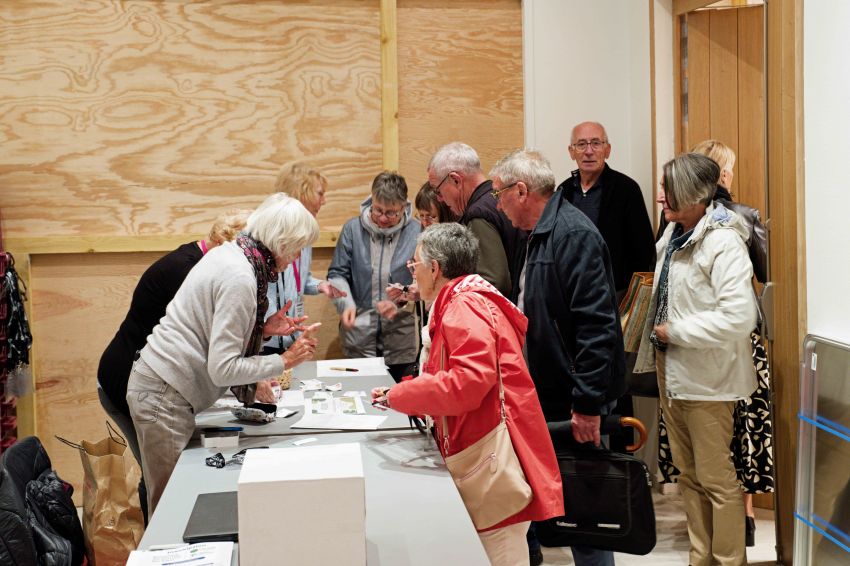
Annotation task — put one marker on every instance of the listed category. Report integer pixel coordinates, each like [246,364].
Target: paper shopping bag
[113,523]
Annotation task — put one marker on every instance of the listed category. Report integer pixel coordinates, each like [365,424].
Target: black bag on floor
[607,498]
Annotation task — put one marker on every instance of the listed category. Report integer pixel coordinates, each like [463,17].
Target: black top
[156,287]
[623,223]
[589,202]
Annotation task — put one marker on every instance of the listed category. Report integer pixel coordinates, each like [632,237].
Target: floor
[672,546]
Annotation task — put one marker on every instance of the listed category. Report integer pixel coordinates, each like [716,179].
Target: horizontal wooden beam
[684,6]
[119,244]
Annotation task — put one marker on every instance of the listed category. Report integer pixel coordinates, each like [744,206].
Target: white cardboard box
[304,505]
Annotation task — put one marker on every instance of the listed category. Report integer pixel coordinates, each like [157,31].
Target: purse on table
[488,474]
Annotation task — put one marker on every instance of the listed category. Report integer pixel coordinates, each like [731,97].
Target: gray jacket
[367,259]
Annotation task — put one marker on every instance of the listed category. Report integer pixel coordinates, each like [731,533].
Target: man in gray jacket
[371,254]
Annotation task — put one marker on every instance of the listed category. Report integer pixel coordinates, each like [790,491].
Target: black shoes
[535,558]
[750,531]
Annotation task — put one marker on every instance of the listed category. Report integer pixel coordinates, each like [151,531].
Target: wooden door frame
[786,224]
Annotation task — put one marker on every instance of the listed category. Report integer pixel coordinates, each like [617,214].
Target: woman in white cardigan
[697,337]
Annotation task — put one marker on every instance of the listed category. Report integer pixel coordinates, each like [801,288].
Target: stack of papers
[204,553]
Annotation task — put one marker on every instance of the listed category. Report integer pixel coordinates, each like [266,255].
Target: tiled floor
[672,546]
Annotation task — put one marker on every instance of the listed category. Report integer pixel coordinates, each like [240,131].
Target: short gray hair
[689,179]
[453,246]
[389,187]
[528,166]
[283,225]
[455,156]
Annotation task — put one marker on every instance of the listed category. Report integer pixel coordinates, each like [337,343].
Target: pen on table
[344,369]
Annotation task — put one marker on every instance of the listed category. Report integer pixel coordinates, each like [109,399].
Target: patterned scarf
[265,270]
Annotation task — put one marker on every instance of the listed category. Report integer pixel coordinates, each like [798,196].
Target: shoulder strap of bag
[502,412]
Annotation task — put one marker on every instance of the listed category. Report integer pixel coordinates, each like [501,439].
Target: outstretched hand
[279,324]
[327,289]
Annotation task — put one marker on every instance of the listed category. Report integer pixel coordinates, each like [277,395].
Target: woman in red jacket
[460,379]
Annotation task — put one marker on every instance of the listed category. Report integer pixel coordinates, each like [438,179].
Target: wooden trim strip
[684,6]
[119,244]
[389,85]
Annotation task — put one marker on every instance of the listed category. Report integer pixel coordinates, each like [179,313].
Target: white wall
[826,129]
[589,61]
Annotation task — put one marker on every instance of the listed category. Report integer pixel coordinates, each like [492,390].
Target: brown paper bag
[112,515]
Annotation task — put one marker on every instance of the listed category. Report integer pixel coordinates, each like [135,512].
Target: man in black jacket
[574,341]
[612,201]
[454,172]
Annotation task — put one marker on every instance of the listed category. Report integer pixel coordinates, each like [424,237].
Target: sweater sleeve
[492,261]
[235,309]
[470,354]
[339,271]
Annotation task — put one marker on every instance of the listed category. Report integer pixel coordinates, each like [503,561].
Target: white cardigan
[711,310]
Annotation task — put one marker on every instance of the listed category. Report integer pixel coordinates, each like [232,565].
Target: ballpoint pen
[344,369]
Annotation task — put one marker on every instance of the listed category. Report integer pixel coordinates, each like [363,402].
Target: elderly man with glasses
[372,254]
[455,174]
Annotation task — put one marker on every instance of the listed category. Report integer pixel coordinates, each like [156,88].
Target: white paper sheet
[291,398]
[311,385]
[212,553]
[363,366]
[340,422]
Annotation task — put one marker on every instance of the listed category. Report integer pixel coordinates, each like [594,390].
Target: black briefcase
[607,499]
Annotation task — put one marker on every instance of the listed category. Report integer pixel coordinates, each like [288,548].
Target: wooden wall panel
[749,186]
[78,301]
[723,77]
[699,79]
[460,78]
[147,117]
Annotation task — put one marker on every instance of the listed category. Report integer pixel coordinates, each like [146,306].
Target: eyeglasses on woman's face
[411,265]
[388,213]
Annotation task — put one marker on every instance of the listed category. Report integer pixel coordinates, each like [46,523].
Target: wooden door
[722,91]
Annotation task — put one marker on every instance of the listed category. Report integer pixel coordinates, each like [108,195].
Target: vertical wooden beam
[652,114]
[785,194]
[25,409]
[389,84]
[678,126]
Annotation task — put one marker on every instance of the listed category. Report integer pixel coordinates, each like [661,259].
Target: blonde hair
[226,226]
[283,225]
[300,181]
[721,153]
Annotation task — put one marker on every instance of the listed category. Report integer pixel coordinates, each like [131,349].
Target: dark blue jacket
[574,340]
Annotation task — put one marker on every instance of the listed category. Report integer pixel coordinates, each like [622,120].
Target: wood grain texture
[389,84]
[460,79]
[150,117]
[698,125]
[785,190]
[723,77]
[750,166]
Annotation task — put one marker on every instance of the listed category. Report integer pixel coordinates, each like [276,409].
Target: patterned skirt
[752,438]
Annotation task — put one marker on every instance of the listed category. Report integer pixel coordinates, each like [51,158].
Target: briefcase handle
[611,424]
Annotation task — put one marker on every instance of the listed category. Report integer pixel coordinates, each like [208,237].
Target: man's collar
[600,181]
[480,191]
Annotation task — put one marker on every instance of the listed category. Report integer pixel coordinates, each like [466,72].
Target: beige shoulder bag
[488,474]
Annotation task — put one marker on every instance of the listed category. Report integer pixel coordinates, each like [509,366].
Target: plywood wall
[146,118]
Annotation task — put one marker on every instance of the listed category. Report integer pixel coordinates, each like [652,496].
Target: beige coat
[711,312]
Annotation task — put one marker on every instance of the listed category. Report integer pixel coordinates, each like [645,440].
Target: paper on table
[364,366]
[340,422]
[213,553]
[291,399]
[311,385]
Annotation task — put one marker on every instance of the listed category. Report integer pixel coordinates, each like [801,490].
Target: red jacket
[467,389]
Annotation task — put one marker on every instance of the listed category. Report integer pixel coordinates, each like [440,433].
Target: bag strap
[502,412]
[68,442]
[113,433]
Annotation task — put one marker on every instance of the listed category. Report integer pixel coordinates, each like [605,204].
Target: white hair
[455,156]
[528,166]
[283,225]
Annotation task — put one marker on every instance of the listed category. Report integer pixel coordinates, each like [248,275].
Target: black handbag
[607,498]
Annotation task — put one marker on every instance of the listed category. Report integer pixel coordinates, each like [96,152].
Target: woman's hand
[379,396]
[279,324]
[301,350]
[387,309]
[661,332]
[397,293]
[347,318]
[327,289]
[265,393]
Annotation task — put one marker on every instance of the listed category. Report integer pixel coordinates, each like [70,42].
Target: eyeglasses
[440,184]
[390,214]
[411,265]
[595,144]
[497,194]
[427,218]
